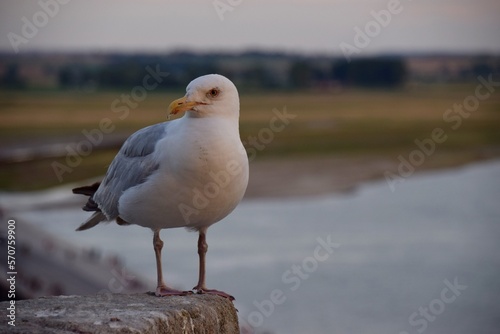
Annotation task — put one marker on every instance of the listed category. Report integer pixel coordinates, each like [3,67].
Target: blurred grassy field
[353,122]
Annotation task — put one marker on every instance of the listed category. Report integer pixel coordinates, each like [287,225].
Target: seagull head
[208,95]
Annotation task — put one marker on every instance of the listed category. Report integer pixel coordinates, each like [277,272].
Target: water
[395,255]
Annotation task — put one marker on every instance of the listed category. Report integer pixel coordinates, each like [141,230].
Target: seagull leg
[162,289]
[202,251]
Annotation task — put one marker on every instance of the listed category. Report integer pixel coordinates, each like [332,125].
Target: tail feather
[91,206]
[87,190]
[98,216]
[95,219]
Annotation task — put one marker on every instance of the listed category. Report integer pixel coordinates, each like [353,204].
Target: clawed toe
[213,292]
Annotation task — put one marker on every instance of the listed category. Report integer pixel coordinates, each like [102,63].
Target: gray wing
[132,165]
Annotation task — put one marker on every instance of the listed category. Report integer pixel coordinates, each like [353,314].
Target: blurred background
[340,104]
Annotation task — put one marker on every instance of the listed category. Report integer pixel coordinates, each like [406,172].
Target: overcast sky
[305,26]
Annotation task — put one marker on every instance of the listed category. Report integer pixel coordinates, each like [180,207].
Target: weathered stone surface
[125,313]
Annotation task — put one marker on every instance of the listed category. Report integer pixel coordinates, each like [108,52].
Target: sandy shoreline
[322,174]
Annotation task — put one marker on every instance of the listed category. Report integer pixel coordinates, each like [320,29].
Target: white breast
[203,175]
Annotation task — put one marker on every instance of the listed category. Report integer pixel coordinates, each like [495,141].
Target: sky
[313,26]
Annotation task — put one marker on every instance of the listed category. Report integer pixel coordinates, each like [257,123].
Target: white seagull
[190,172]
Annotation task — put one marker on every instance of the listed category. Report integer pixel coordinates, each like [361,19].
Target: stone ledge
[125,313]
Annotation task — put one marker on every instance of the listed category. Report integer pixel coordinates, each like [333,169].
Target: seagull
[189,172]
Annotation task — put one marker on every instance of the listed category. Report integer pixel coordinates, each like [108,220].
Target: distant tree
[123,74]
[371,72]
[300,74]
[482,68]
[259,76]
[77,76]
[64,77]
[11,78]
[195,69]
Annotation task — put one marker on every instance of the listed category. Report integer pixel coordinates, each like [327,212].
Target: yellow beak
[181,105]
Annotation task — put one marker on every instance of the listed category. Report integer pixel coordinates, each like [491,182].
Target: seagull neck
[199,115]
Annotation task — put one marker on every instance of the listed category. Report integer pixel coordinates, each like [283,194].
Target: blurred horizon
[250,71]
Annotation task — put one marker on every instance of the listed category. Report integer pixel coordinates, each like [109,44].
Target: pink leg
[162,289]
[202,251]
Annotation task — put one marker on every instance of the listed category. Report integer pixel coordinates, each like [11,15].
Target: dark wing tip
[87,190]
[95,219]
[91,205]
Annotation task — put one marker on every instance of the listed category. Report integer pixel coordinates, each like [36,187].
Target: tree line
[249,70]
[296,74]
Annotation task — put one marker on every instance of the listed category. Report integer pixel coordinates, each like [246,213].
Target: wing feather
[133,164]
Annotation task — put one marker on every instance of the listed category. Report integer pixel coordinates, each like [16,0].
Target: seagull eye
[214,92]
